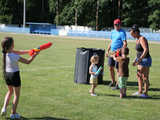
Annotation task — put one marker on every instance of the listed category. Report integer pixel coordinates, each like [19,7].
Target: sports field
[49,92]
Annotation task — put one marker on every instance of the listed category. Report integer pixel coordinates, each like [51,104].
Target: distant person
[143,61]
[11,74]
[123,69]
[92,71]
[118,40]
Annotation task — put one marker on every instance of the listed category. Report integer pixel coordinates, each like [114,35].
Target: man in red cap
[118,40]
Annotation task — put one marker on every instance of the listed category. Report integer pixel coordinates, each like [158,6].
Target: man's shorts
[122,82]
[13,79]
[112,62]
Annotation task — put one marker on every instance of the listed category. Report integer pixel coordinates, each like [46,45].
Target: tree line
[98,14]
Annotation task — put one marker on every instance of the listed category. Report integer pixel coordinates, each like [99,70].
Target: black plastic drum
[83,55]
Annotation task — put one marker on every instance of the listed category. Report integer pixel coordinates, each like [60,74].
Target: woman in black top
[143,61]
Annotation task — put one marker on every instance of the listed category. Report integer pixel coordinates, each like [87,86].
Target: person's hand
[134,63]
[107,54]
[94,73]
[36,53]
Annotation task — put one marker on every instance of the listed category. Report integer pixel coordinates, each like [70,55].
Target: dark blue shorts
[13,79]
[112,62]
[146,62]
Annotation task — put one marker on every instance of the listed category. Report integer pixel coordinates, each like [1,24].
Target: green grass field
[49,92]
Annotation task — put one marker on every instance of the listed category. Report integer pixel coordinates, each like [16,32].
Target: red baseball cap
[117,21]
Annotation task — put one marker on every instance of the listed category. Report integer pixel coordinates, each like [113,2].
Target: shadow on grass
[40,118]
[150,89]
[154,89]
[153,97]
[129,83]
[106,82]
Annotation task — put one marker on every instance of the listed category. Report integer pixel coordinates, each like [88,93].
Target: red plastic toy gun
[117,53]
[41,47]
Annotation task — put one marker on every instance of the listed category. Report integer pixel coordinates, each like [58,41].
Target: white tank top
[94,69]
[12,62]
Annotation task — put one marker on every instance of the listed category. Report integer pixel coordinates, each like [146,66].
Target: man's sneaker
[3,112]
[93,94]
[111,84]
[12,116]
[115,88]
[17,116]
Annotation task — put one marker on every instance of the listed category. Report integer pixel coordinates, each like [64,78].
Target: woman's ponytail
[6,45]
[4,63]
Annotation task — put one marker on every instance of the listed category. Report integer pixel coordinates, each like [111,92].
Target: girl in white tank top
[92,71]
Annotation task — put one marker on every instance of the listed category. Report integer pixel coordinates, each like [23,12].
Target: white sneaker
[12,116]
[93,94]
[3,112]
[17,116]
[136,94]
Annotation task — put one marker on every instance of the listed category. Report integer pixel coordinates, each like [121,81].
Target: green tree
[56,8]
[135,12]
[5,12]
[154,17]
[37,11]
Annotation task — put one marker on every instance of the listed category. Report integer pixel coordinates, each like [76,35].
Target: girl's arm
[28,61]
[21,52]
[90,70]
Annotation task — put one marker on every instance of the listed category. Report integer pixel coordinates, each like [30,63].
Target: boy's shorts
[122,82]
[93,80]
[13,79]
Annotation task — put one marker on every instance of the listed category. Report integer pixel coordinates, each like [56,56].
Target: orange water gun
[41,47]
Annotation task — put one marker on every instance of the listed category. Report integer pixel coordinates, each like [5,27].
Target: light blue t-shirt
[117,38]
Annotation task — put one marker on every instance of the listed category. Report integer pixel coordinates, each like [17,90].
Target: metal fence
[80,33]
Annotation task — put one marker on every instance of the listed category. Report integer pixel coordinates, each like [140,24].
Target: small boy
[123,70]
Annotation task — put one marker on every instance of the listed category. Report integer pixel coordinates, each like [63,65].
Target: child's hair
[6,45]
[126,50]
[94,58]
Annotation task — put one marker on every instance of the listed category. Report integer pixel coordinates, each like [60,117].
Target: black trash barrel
[83,55]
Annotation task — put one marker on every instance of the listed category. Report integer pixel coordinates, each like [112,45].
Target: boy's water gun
[41,47]
[98,71]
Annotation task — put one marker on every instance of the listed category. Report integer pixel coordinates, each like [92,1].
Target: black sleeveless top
[140,50]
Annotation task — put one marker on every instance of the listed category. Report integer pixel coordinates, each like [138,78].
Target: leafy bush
[6,19]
